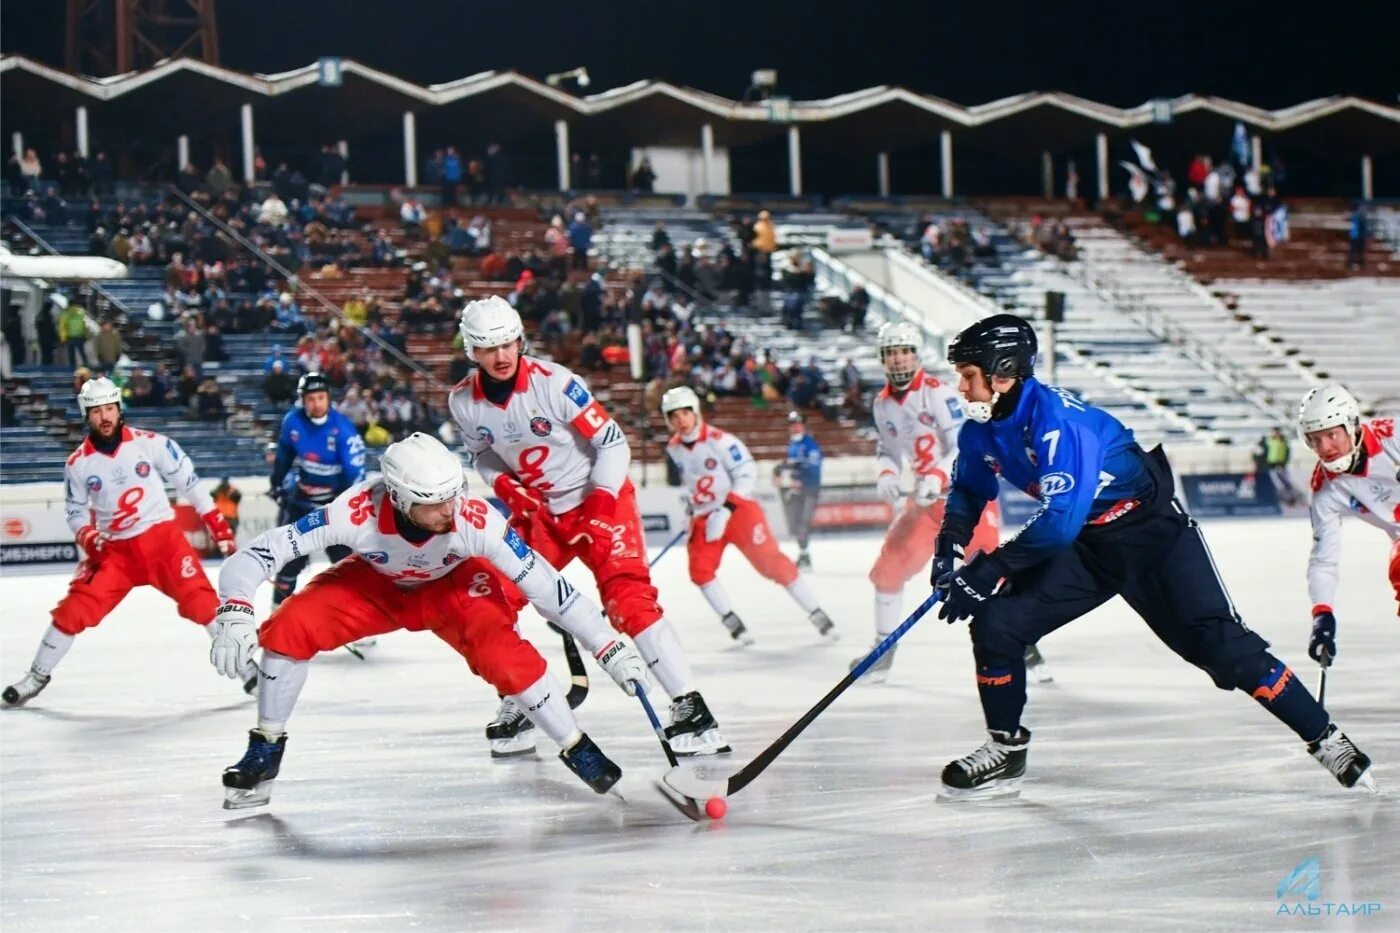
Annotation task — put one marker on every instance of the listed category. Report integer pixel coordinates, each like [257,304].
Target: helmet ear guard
[420,470]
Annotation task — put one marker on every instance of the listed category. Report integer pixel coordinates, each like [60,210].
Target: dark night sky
[968,52]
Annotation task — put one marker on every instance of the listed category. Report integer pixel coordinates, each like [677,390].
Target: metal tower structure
[112,37]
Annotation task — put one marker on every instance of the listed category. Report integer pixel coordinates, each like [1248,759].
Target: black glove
[1323,646]
[277,493]
[970,588]
[947,557]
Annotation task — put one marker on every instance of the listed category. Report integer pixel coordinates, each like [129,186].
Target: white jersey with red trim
[362,519]
[551,434]
[1373,495]
[123,493]
[919,425]
[713,467]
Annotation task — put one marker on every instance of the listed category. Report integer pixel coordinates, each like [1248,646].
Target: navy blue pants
[1159,564]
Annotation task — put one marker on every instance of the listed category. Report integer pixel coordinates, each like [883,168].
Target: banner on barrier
[1216,494]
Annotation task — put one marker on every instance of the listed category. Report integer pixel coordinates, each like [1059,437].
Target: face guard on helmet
[1326,407]
[899,367]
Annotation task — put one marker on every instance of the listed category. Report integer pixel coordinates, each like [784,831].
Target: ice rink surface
[1153,801]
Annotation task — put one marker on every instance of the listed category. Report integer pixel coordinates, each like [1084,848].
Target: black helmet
[313,382]
[796,417]
[1002,345]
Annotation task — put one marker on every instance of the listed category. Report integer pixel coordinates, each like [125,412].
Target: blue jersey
[1080,462]
[317,462]
[804,457]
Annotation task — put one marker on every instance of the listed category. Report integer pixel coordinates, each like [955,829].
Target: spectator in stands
[9,417]
[142,251]
[214,345]
[643,177]
[273,212]
[1240,212]
[226,499]
[289,316]
[161,389]
[1277,455]
[209,403]
[412,215]
[101,175]
[432,169]
[451,176]
[859,301]
[659,236]
[189,180]
[556,240]
[46,333]
[107,346]
[189,345]
[218,179]
[580,241]
[1358,232]
[765,244]
[140,390]
[13,329]
[31,169]
[186,386]
[332,166]
[72,327]
[280,386]
[497,173]
[1186,218]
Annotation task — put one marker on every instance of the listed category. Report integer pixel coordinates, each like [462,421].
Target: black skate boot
[29,686]
[823,624]
[804,560]
[587,760]
[693,731]
[1337,754]
[994,770]
[511,733]
[879,672]
[1036,669]
[246,784]
[737,631]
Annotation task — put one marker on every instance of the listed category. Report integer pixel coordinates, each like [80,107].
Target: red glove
[596,529]
[219,531]
[519,498]
[91,541]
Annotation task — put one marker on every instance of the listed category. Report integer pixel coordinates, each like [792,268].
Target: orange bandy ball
[715,808]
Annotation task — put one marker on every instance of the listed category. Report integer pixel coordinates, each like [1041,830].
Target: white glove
[715,523]
[888,487]
[929,489]
[235,634]
[624,665]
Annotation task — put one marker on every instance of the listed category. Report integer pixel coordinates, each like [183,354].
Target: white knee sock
[279,685]
[717,598]
[545,702]
[889,612]
[52,647]
[660,647]
[801,591]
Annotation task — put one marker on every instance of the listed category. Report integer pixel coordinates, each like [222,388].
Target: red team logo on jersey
[540,427]
[925,419]
[143,469]
[94,484]
[710,463]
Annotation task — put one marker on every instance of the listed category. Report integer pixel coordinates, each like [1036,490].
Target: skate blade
[1367,783]
[686,805]
[1002,790]
[508,748]
[238,798]
[1039,675]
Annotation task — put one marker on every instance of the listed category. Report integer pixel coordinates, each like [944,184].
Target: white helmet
[98,391]
[419,469]
[900,334]
[679,398]
[490,322]
[1327,407]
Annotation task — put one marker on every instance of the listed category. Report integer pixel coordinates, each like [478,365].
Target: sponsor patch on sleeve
[516,544]
[577,393]
[310,520]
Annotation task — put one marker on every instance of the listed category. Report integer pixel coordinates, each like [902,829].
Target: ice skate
[511,733]
[737,630]
[587,760]
[994,770]
[358,648]
[879,672]
[1037,671]
[1335,752]
[248,783]
[804,560]
[693,731]
[824,626]
[28,687]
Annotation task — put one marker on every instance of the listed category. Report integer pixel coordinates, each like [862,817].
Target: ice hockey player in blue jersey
[1109,525]
[319,456]
[800,482]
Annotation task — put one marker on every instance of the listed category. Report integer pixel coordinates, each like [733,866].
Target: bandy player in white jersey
[719,475]
[918,419]
[425,556]
[557,459]
[114,492]
[1358,473]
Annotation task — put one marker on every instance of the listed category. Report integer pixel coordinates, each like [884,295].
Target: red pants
[908,545]
[1395,571]
[748,531]
[160,556]
[473,609]
[624,580]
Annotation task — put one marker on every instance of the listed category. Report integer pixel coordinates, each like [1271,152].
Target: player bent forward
[1109,526]
[426,557]
[559,462]
[114,490]
[719,474]
[1358,473]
